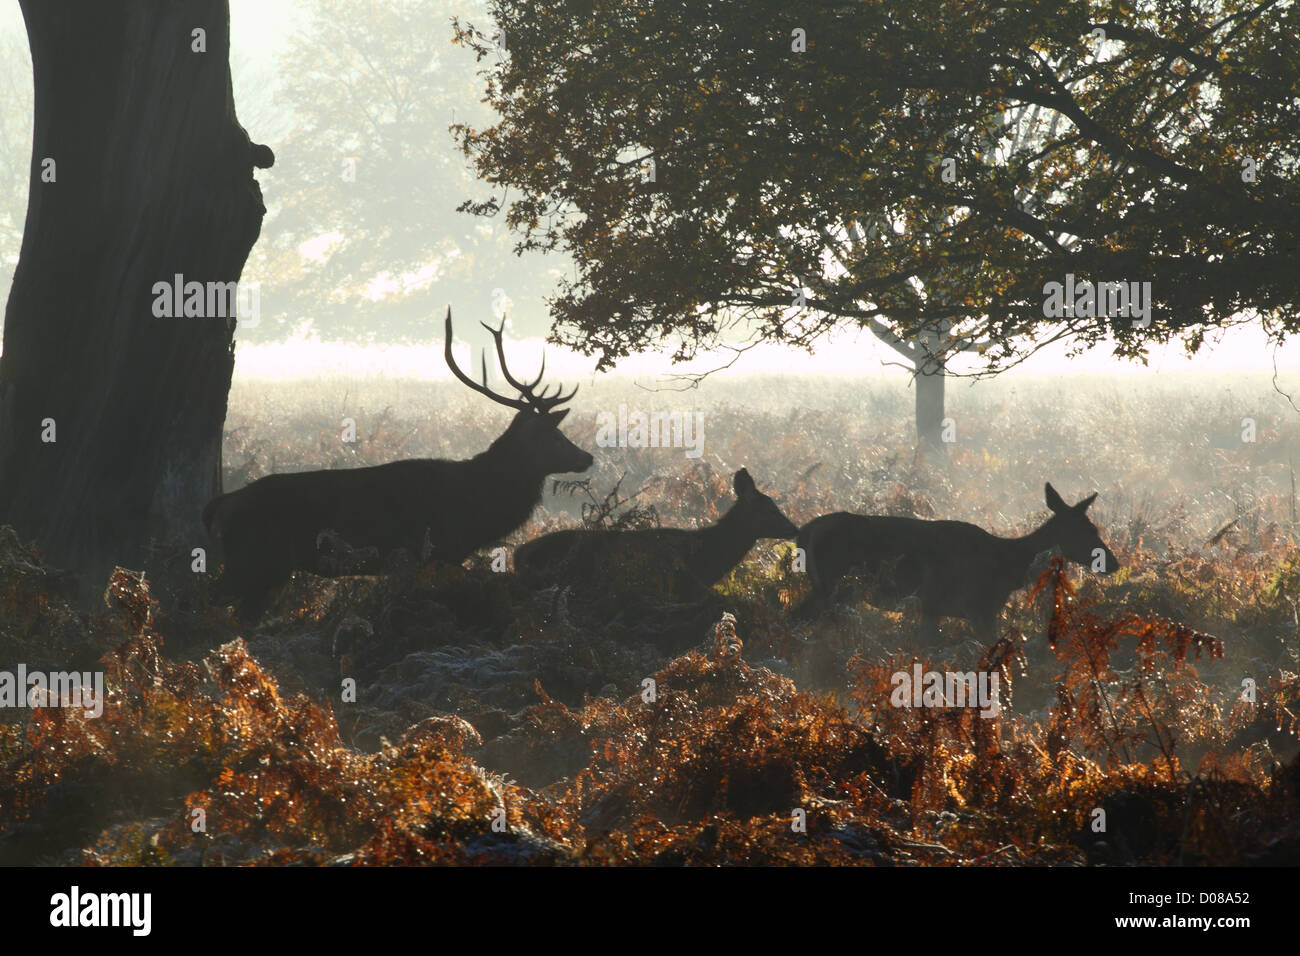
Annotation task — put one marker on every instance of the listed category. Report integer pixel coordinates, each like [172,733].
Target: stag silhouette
[438,509]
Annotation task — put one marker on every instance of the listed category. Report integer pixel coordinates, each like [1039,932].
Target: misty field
[433,714]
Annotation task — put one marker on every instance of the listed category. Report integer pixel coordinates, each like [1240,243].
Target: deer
[436,509]
[954,568]
[690,561]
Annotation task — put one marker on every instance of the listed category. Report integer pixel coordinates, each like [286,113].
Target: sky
[849,353]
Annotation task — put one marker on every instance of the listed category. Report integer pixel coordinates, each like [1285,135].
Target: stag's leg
[257,564]
[811,567]
[816,602]
[818,598]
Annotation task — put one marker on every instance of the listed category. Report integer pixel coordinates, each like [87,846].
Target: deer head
[760,514]
[533,439]
[1076,535]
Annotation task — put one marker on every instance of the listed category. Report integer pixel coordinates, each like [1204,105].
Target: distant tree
[15,149]
[922,168]
[363,237]
[110,412]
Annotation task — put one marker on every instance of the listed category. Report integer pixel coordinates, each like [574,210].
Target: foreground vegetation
[494,724]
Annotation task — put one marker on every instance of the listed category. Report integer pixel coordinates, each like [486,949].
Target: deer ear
[743,484]
[558,417]
[1086,503]
[1054,500]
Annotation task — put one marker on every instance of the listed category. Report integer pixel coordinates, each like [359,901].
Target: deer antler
[481,389]
[542,402]
[529,399]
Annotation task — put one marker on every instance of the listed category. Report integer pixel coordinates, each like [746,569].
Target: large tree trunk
[153,178]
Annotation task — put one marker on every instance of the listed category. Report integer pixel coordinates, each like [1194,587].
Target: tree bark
[930,378]
[925,354]
[153,178]
[931,373]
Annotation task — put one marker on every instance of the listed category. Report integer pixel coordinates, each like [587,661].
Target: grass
[453,715]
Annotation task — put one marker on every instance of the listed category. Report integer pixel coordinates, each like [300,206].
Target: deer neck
[510,485]
[723,546]
[1028,547]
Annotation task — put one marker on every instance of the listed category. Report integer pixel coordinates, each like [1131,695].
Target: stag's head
[533,439]
[1076,535]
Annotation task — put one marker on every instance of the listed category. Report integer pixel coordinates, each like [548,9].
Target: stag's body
[688,561]
[953,568]
[434,508]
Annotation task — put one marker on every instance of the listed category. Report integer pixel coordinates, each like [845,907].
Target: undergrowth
[707,758]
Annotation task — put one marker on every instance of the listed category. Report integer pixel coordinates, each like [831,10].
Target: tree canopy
[924,164]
